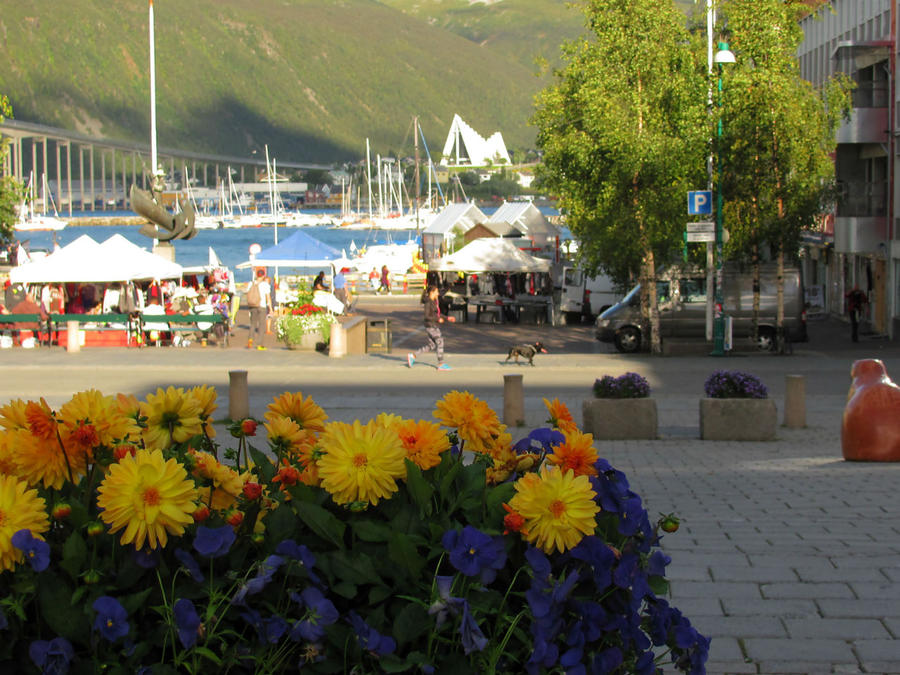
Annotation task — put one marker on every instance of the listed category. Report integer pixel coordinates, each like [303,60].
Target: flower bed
[737,408]
[131,542]
[304,326]
[621,409]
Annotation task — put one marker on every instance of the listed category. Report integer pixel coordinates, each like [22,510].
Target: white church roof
[466,146]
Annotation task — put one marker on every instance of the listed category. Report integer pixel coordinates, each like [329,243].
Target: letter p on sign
[699,202]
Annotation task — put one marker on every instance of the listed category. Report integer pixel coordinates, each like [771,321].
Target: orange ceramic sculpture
[870,431]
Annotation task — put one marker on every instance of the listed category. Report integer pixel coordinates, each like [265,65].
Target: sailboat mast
[153,158]
[416,157]
[369,176]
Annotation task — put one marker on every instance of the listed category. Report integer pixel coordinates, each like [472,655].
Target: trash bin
[378,336]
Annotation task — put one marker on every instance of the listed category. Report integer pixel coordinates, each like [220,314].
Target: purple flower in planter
[321,612]
[190,564]
[734,384]
[370,639]
[291,549]
[629,385]
[473,640]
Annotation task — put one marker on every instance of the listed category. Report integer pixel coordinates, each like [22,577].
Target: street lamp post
[723,56]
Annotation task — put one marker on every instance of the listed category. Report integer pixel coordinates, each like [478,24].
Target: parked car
[682,308]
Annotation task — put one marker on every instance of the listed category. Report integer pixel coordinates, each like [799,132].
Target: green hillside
[312,78]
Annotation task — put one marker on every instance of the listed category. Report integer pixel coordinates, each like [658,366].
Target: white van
[584,295]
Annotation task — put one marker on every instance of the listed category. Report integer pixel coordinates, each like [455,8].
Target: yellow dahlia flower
[20,509]
[285,432]
[424,441]
[388,420]
[560,417]
[305,412]
[12,415]
[226,482]
[102,413]
[8,441]
[558,508]
[147,496]
[41,421]
[474,421]
[360,462]
[42,460]
[172,416]
[577,454]
[206,398]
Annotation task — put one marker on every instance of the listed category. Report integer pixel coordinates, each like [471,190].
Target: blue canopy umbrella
[298,250]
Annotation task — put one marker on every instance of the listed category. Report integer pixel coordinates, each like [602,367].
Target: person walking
[856,302]
[385,279]
[259,301]
[433,319]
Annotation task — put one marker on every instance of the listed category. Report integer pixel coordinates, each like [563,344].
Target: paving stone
[854,574]
[806,590]
[771,608]
[808,651]
[830,607]
[878,650]
[717,589]
[741,626]
[840,629]
[866,590]
[756,573]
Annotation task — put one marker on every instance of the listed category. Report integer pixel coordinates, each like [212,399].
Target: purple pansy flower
[112,619]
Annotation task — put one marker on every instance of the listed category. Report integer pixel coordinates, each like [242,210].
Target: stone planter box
[620,419]
[307,342]
[737,419]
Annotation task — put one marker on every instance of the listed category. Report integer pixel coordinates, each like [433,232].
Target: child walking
[432,320]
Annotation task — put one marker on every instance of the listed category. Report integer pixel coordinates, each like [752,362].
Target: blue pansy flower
[147,558]
[370,639]
[473,640]
[542,440]
[52,656]
[656,564]
[274,629]
[214,542]
[112,619]
[599,556]
[187,622]
[445,604]
[607,661]
[190,564]
[291,549]
[320,612]
[37,551]
[474,553]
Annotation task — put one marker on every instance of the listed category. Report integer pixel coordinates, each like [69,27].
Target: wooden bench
[8,323]
[188,323]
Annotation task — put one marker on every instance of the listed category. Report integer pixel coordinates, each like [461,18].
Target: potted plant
[391,545]
[737,407]
[304,326]
[621,409]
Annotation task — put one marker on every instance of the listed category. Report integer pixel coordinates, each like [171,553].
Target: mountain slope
[312,78]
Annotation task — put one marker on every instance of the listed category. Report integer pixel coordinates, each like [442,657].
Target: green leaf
[208,654]
[410,623]
[354,568]
[281,523]
[402,551]
[135,601]
[380,593]
[659,585]
[345,589]
[74,555]
[322,522]
[420,490]
[446,488]
[393,664]
[54,597]
[262,465]
[372,531]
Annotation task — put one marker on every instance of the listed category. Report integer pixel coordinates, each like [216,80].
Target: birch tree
[777,172]
[623,132]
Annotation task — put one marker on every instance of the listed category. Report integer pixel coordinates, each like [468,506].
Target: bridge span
[33,147]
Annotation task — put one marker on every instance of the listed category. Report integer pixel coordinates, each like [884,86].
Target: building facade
[858,243]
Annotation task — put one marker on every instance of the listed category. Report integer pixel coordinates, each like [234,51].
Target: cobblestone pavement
[788,556]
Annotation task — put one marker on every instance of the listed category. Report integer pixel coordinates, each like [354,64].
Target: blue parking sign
[699,202]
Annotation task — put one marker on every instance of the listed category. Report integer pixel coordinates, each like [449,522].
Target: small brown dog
[526,352]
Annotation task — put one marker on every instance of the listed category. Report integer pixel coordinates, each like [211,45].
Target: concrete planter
[307,342]
[619,419]
[737,419]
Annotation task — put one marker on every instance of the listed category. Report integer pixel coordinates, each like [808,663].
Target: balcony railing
[862,199]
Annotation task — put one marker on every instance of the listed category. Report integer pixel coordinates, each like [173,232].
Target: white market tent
[86,261]
[490,255]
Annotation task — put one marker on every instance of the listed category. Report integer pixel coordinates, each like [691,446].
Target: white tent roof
[490,255]
[463,215]
[524,217]
[86,261]
[464,145]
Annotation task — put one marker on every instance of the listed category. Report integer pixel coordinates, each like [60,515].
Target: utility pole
[416,158]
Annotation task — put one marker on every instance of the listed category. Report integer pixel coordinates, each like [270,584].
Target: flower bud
[252,491]
[248,427]
[92,577]
[235,518]
[61,511]
[95,529]
[201,514]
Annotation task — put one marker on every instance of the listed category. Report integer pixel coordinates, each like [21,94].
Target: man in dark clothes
[856,301]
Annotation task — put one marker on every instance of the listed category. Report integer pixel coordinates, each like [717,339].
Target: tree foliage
[623,130]
[10,189]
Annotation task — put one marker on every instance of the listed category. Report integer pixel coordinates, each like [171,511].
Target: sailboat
[163,226]
[29,220]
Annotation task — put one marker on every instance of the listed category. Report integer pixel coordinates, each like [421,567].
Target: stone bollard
[795,401]
[513,401]
[338,344]
[238,395]
[73,343]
